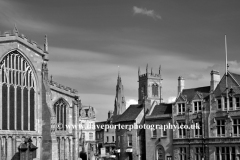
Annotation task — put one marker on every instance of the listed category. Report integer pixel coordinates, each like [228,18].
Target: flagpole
[226,68]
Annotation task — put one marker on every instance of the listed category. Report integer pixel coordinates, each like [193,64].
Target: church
[32,105]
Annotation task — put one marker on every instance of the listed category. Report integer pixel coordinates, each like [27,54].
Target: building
[105,137]
[99,136]
[128,142]
[33,106]
[159,139]
[224,117]
[190,109]
[87,139]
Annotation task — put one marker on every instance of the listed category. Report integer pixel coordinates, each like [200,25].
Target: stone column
[76,104]
[67,148]
[71,148]
[9,148]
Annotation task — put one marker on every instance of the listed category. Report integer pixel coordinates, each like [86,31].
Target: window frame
[198,133]
[236,126]
[198,106]
[221,127]
[153,133]
[181,108]
[129,139]
[181,132]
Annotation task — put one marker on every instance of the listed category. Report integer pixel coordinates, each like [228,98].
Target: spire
[147,69]
[160,69]
[46,44]
[15,30]
[151,71]
[119,72]
[120,103]
[139,71]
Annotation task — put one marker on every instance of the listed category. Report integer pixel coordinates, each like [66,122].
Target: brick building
[31,105]
[128,142]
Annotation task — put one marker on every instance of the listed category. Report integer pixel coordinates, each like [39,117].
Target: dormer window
[237,102]
[225,103]
[197,106]
[230,103]
[181,108]
[219,103]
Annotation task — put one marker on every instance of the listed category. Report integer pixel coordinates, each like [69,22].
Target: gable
[231,82]
[181,98]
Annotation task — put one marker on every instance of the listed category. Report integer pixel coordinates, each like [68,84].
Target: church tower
[120,103]
[150,85]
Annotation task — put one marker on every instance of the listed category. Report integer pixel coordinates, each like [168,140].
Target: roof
[190,93]
[115,118]
[130,114]
[161,109]
[236,77]
[233,81]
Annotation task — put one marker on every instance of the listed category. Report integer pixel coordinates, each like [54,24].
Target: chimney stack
[215,79]
[180,84]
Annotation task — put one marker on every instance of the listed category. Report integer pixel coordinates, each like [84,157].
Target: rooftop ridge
[196,88]
[60,86]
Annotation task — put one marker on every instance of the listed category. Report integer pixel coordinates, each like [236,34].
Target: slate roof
[161,109]
[130,114]
[190,93]
[233,80]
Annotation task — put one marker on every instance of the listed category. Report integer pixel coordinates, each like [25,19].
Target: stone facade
[224,118]
[190,109]
[30,104]
[159,140]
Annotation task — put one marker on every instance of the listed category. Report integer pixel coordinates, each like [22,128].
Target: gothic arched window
[155,90]
[60,108]
[18,93]
[160,153]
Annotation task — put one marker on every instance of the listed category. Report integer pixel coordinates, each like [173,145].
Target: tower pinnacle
[46,44]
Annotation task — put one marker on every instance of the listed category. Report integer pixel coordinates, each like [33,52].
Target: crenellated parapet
[62,87]
[150,75]
[15,36]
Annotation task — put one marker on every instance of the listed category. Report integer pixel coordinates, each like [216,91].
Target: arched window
[155,90]
[160,153]
[60,108]
[18,93]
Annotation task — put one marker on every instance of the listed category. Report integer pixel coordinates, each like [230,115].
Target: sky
[89,39]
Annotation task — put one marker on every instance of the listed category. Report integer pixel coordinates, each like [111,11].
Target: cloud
[234,66]
[144,11]
[131,101]
[171,99]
